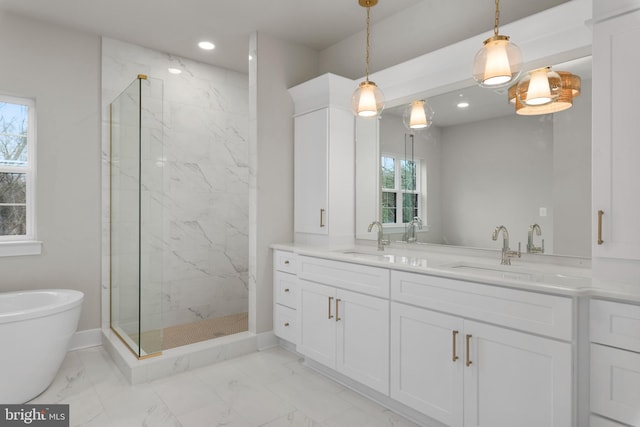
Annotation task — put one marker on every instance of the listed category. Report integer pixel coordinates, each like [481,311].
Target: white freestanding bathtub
[35,330]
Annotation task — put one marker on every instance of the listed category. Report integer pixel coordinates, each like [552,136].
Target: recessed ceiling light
[206,45]
[463,104]
[174,70]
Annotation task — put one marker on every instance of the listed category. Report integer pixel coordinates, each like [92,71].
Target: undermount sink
[391,258]
[499,272]
[508,272]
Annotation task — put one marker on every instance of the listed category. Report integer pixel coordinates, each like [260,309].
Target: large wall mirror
[479,167]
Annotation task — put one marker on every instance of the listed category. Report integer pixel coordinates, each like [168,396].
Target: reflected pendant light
[499,61]
[571,87]
[367,100]
[417,116]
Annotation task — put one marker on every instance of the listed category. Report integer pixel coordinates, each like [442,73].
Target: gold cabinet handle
[337,312]
[600,213]
[286,324]
[330,315]
[321,218]
[286,262]
[455,338]
[286,289]
[468,362]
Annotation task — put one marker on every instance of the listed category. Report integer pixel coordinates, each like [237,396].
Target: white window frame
[399,226]
[24,244]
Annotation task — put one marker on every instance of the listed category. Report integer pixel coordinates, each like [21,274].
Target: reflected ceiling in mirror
[483,103]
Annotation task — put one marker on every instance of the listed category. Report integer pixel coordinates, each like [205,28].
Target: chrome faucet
[381,241]
[414,225]
[506,252]
[531,248]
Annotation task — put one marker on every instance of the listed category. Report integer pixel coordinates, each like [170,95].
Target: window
[17,152]
[400,189]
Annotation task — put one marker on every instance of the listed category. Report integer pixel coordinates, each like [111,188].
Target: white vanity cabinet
[614,330]
[285,296]
[324,159]
[616,60]
[345,330]
[462,371]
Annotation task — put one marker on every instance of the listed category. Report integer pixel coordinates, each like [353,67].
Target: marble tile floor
[271,388]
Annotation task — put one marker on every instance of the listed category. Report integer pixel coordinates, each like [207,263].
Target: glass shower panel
[136,216]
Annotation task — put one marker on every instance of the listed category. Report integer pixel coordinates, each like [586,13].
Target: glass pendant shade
[497,63]
[539,87]
[367,100]
[571,87]
[418,115]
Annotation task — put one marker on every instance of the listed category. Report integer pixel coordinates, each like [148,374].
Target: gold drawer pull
[455,338]
[468,362]
[286,324]
[600,213]
[286,262]
[337,312]
[330,315]
[286,289]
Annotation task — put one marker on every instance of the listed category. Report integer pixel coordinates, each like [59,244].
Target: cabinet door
[616,127]
[515,379]
[427,362]
[615,384]
[363,339]
[316,322]
[311,135]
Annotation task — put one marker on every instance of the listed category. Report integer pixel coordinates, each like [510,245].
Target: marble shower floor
[271,388]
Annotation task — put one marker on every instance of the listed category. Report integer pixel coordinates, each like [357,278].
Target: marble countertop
[550,274]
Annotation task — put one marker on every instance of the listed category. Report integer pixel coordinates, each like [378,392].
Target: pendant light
[571,87]
[417,116]
[539,87]
[367,100]
[499,61]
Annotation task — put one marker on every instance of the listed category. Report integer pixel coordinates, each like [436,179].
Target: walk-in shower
[178,220]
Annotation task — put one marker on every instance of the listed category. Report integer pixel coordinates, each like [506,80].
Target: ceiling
[175,26]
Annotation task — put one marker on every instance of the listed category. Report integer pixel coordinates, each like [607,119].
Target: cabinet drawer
[354,277]
[286,289]
[285,323]
[528,311]
[615,324]
[284,261]
[615,384]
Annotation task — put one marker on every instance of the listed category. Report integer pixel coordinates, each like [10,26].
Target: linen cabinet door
[316,322]
[515,379]
[427,362]
[363,339]
[616,59]
[311,172]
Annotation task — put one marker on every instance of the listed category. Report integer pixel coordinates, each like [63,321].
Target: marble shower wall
[204,163]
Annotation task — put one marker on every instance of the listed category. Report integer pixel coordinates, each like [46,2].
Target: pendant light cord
[497,20]
[367,54]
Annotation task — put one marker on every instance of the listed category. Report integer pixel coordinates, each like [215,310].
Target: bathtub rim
[64,300]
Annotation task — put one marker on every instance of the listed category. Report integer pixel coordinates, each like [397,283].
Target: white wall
[572,176]
[277,66]
[60,69]
[497,172]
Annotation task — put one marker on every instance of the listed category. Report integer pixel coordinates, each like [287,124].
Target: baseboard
[86,338]
[266,340]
